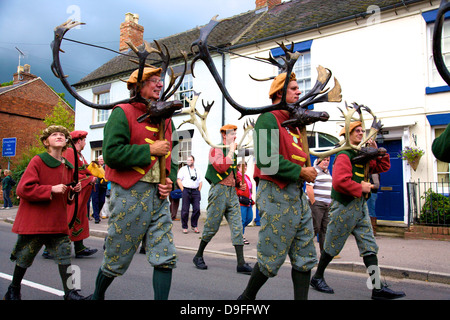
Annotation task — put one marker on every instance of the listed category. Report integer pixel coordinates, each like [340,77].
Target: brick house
[23,107]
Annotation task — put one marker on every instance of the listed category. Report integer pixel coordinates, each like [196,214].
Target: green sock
[18,275]
[257,280]
[325,259]
[240,255]
[162,279]
[371,263]
[301,284]
[62,268]
[201,248]
[78,246]
[101,284]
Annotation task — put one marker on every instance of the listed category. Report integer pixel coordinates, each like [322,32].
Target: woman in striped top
[319,194]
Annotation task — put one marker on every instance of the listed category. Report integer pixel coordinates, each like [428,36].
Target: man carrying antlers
[223,200]
[139,209]
[349,214]
[286,221]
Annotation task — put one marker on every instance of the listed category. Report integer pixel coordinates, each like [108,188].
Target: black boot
[320,285]
[74,295]
[242,266]
[13,293]
[386,294]
[318,281]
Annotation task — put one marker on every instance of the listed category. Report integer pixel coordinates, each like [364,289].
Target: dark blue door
[390,202]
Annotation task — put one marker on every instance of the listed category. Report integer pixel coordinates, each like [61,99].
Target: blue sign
[9,147]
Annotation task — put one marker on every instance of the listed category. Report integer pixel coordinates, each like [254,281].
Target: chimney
[23,74]
[131,31]
[269,4]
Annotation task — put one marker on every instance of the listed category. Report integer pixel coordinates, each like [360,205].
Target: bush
[436,209]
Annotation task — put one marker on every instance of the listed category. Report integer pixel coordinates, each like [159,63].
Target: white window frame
[101,116]
[186,89]
[302,71]
[434,78]
[96,152]
[184,151]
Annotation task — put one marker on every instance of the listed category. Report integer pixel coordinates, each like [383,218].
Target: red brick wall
[22,111]
[131,32]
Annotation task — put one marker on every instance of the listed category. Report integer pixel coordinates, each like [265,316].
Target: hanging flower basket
[412,155]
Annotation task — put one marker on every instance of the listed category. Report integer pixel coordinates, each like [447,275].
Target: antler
[349,116]
[155,109]
[249,125]
[204,55]
[198,119]
[57,70]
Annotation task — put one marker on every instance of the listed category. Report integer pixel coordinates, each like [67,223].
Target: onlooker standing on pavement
[99,192]
[189,179]
[319,194]
[7,184]
[244,192]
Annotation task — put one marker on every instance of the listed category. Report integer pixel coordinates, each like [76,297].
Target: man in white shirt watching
[189,179]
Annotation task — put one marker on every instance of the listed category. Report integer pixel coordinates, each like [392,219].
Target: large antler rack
[349,117]
[297,110]
[156,110]
[199,120]
[437,41]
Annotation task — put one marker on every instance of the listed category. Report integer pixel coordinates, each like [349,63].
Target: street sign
[9,147]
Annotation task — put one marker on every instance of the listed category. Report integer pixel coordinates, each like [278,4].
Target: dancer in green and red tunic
[349,214]
[139,206]
[286,221]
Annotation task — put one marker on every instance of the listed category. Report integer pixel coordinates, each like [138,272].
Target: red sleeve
[218,161]
[342,177]
[379,165]
[29,187]
[239,192]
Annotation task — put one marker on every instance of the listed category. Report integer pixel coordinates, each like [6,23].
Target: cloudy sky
[28,25]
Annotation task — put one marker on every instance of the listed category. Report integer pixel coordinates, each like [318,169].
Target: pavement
[417,259]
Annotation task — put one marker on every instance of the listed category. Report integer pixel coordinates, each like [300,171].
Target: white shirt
[185,173]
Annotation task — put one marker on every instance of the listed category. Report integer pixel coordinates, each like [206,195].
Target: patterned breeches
[138,215]
[286,228]
[223,201]
[28,246]
[350,219]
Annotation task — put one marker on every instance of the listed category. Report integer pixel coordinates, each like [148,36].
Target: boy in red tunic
[41,219]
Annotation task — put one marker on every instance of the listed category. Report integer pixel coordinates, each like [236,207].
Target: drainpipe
[223,79]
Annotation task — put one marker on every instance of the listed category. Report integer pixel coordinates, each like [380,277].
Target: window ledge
[98,125]
[432,90]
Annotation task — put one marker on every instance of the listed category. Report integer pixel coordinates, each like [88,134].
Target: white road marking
[35,285]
